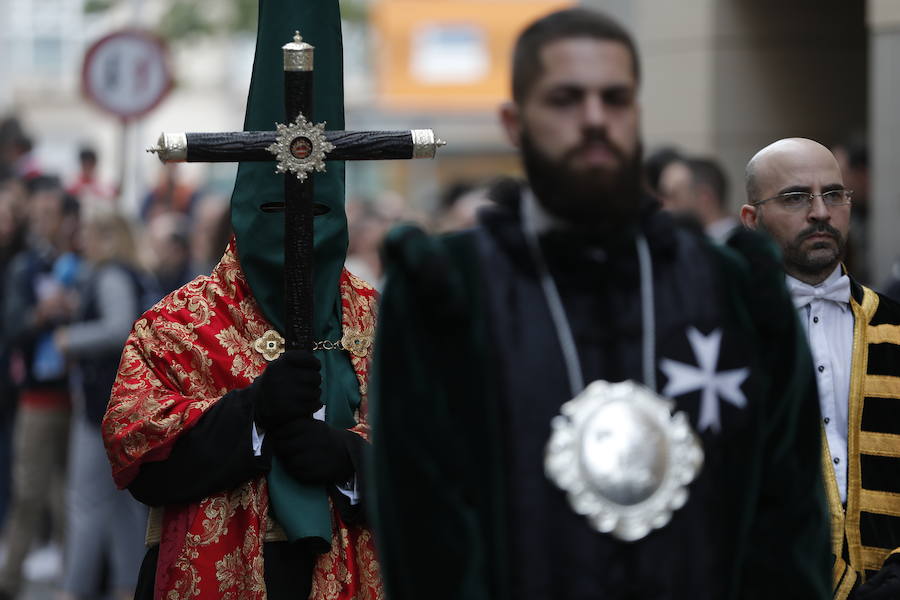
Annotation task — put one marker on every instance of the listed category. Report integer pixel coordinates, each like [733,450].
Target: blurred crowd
[76,271]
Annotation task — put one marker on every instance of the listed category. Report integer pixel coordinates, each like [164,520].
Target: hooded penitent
[303,511]
[189,356]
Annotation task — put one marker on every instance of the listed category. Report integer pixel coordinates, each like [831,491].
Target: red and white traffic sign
[127,73]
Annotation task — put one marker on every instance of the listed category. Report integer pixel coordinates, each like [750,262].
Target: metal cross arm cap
[253,146]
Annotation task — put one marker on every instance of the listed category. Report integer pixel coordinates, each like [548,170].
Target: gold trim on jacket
[846,541]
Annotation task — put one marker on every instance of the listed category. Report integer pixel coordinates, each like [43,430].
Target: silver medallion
[623,458]
[300,147]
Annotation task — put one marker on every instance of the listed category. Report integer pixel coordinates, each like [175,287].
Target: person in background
[169,247]
[397,208]
[103,523]
[852,155]
[38,299]
[697,188]
[12,241]
[796,194]
[210,233]
[366,228]
[16,155]
[170,194]
[654,164]
[87,186]
[459,204]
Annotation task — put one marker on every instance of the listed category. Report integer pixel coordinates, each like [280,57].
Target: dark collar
[504,219]
[856,288]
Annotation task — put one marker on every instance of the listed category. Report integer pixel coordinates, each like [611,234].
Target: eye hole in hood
[276,207]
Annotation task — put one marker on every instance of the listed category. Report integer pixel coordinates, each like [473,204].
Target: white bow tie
[836,291]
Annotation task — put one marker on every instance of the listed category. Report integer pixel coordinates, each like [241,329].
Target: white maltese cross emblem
[684,378]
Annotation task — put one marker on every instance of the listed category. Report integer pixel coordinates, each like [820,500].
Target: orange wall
[417,39]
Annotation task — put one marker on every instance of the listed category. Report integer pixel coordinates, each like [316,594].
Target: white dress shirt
[829,329]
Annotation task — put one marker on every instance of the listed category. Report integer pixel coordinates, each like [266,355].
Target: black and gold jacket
[867,531]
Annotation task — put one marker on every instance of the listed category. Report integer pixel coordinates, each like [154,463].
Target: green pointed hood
[260,235]
[303,511]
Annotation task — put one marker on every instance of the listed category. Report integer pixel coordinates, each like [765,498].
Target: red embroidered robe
[182,356]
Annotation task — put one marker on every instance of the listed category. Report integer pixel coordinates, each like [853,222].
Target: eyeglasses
[797,201]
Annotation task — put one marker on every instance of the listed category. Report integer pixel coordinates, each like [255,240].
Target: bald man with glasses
[796,194]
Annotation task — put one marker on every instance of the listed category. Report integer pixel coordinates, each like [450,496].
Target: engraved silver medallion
[623,458]
[300,147]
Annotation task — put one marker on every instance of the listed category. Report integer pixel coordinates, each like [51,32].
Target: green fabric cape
[435,365]
[302,510]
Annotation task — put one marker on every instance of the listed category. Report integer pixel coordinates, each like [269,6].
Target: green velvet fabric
[440,507]
[302,511]
[421,465]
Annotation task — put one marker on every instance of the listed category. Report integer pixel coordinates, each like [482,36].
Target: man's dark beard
[798,261]
[590,198]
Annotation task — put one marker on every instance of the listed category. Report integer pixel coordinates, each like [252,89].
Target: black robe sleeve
[213,456]
[217,455]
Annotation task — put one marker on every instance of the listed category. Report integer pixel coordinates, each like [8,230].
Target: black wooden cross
[299,148]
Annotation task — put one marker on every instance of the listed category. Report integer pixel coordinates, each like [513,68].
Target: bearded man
[796,193]
[577,399]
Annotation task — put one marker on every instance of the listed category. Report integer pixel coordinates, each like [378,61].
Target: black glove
[313,451]
[884,585]
[288,389]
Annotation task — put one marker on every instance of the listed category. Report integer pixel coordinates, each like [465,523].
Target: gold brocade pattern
[370,574]
[360,314]
[144,410]
[183,355]
[186,586]
[232,572]
[354,546]
[331,576]
[239,573]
